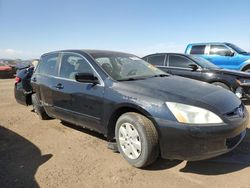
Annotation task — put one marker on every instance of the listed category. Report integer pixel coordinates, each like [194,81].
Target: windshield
[236,48]
[203,62]
[126,67]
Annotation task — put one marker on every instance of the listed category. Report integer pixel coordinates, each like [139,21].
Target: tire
[247,70]
[220,84]
[144,137]
[39,110]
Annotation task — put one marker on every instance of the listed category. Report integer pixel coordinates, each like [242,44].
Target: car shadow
[84,130]
[19,160]
[233,161]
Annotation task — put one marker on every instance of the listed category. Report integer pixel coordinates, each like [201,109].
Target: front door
[179,65]
[220,56]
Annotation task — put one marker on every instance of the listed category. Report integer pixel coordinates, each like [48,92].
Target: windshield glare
[123,67]
[203,62]
[236,48]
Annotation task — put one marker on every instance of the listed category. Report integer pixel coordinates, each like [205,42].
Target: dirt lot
[36,153]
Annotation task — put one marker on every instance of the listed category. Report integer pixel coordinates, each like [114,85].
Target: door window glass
[198,49]
[72,64]
[156,60]
[48,64]
[178,61]
[219,50]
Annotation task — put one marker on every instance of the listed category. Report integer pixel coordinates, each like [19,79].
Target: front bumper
[185,142]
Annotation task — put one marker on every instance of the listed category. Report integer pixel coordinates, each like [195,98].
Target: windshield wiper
[142,77]
[161,75]
[131,79]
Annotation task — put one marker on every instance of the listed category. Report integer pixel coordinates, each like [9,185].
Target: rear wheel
[137,139]
[38,108]
[247,70]
[220,84]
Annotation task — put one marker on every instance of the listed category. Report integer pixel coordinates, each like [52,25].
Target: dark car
[200,69]
[5,71]
[146,111]
[23,88]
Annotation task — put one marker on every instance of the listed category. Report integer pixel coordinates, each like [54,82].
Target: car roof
[91,52]
[167,53]
[206,43]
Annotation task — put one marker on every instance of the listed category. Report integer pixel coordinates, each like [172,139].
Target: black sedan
[200,69]
[147,112]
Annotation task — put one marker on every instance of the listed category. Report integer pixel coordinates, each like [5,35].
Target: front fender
[244,64]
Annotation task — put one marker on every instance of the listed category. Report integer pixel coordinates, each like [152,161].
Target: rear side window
[219,50]
[72,64]
[179,61]
[198,49]
[48,64]
[156,60]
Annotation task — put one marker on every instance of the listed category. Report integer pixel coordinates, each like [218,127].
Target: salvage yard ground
[36,153]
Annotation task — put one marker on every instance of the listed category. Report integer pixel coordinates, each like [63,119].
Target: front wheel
[137,139]
[247,70]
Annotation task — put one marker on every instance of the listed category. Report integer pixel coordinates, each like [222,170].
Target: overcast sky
[32,27]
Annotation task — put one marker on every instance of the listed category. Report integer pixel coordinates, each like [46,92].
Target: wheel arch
[245,66]
[110,131]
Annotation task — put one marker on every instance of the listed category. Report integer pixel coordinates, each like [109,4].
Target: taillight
[17,80]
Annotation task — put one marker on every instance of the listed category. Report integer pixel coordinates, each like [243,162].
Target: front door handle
[59,86]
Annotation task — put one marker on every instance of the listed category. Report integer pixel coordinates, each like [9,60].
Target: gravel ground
[36,153]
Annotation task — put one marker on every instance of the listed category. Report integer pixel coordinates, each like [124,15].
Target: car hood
[233,72]
[182,90]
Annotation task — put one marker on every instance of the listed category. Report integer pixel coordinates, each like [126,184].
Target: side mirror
[194,67]
[86,78]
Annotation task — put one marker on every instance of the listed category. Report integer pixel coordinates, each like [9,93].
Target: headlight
[192,115]
[243,81]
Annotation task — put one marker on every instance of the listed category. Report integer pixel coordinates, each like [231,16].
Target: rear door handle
[59,86]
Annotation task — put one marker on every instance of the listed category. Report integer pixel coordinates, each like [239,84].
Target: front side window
[156,60]
[48,64]
[179,61]
[72,64]
[198,49]
[219,50]
[125,66]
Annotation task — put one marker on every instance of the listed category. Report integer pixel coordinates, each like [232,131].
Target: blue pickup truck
[224,55]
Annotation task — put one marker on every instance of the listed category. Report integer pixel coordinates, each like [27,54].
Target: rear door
[44,79]
[159,61]
[77,102]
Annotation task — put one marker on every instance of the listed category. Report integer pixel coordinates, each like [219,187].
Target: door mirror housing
[86,78]
[194,67]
